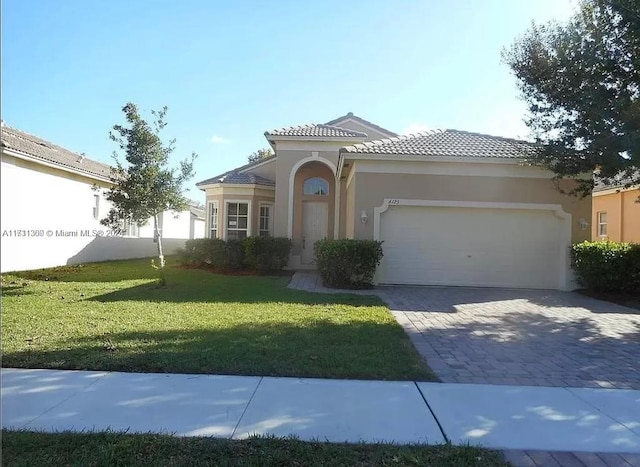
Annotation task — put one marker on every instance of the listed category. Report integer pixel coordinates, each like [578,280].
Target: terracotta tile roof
[363,121]
[446,143]
[40,149]
[236,178]
[619,181]
[217,178]
[316,130]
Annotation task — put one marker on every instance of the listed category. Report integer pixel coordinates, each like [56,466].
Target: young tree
[145,186]
[581,81]
[260,154]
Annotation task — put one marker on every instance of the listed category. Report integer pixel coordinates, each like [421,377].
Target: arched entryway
[313,208]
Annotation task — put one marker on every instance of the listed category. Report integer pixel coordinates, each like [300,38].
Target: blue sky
[228,71]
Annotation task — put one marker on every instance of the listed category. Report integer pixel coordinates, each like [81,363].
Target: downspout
[621,204]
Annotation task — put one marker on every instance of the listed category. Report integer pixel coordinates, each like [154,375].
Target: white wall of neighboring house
[47,219]
[175,225]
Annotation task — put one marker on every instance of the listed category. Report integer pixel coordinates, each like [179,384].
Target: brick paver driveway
[499,336]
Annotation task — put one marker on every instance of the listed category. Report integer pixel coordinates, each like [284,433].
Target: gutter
[37,160]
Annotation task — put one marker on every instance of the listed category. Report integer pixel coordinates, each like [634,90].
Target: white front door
[315,222]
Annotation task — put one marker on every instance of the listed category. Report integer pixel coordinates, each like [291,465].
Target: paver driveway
[531,337]
[507,336]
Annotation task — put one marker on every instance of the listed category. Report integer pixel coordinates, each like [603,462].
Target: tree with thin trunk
[145,186]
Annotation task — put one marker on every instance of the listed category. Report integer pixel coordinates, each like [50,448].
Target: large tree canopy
[581,81]
[145,185]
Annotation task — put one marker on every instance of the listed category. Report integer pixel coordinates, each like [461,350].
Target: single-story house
[51,209]
[616,210]
[452,207]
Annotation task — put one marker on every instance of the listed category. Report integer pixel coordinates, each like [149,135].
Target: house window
[237,220]
[265,221]
[96,206]
[213,220]
[315,186]
[602,224]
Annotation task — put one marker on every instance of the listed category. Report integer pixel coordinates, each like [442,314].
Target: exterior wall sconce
[363,217]
[583,224]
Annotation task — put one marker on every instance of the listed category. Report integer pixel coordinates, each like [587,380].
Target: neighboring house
[452,207]
[50,212]
[616,211]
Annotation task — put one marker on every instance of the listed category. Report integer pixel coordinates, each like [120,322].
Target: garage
[473,244]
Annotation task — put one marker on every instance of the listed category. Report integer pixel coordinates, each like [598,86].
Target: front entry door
[315,223]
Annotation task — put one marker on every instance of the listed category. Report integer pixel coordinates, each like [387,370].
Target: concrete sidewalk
[498,417]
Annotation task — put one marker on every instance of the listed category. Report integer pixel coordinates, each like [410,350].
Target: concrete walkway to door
[517,337]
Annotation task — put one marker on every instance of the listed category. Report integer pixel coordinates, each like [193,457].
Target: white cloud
[416,128]
[219,140]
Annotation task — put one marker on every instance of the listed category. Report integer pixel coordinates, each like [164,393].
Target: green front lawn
[107,449]
[112,316]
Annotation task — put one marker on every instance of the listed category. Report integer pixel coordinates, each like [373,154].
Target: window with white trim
[96,206]
[602,223]
[266,221]
[213,220]
[237,220]
[315,186]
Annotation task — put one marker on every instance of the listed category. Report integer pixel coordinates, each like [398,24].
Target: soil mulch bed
[628,300]
[237,272]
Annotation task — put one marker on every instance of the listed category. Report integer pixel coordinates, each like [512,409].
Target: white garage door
[490,247]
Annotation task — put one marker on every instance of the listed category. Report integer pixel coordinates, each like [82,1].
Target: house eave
[414,158]
[235,185]
[614,190]
[272,139]
[37,160]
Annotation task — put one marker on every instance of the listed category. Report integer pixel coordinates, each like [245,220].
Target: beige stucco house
[452,207]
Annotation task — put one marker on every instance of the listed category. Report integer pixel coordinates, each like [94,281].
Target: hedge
[348,264]
[264,254]
[607,266]
[260,254]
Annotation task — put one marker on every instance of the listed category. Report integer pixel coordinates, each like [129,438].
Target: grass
[113,316]
[20,448]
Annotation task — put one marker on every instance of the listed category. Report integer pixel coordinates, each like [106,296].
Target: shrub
[194,252]
[348,264]
[607,266]
[257,253]
[214,253]
[266,254]
[233,255]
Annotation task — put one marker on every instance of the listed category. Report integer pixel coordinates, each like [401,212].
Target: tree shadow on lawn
[525,345]
[212,288]
[105,271]
[321,349]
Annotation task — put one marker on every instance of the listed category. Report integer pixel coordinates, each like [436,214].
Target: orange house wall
[623,216]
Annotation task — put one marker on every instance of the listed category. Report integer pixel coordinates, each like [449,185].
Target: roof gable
[364,125]
[38,148]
